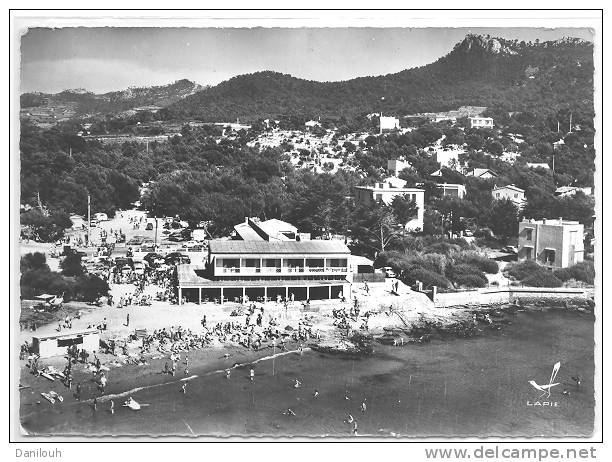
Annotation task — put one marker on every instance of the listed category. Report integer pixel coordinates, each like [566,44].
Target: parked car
[389,273]
[177,258]
[147,247]
[136,240]
[510,249]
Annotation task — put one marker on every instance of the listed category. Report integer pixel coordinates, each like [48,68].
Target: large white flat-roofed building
[553,243]
[302,270]
[481,122]
[386,191]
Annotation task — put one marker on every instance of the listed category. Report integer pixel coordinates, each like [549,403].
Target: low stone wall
[508,295]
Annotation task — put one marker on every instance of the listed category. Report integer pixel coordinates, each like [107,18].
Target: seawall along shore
[496,296]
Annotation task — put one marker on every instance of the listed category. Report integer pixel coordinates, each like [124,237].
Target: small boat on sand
[48,397]
[56,396]
[133,405]
[48,376]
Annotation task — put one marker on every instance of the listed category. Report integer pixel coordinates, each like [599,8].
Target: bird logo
[545,389]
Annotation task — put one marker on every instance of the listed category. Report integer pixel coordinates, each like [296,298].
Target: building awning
[209,284]
[550,248]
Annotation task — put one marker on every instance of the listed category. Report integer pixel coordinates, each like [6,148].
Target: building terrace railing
[277,269]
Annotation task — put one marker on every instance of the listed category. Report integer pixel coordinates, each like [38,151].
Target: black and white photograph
[288,230]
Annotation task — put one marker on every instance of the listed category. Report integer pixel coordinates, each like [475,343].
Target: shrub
[483,263]
[435,262]
[428,278]
[89,288]
[471,280]
[442,247]
[542,278]
[563,274]
[584,272]
[523,269]
[33,261]
[468,275]
[71,265]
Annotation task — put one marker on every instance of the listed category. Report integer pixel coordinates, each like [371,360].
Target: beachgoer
[355,427]
[127,320]
[77,394]
[350,419]
[184,388]
[95,404]
[228,372]
[112,407]
[363,406]
[252,375]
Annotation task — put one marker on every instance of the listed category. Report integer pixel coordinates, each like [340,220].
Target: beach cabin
[57,344]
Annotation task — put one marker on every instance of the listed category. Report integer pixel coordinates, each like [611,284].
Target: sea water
[456,387]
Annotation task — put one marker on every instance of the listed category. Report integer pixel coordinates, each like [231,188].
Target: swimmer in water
[347,396]
[566,392]
[350,419]
[316,393]
[363,406]
[289,411]
[252,375]
[184,388]
[228,373]
[577,380]
[297,384]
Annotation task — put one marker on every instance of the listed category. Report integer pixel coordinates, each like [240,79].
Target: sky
[113,58]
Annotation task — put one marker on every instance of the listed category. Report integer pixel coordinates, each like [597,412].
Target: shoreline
[208,372]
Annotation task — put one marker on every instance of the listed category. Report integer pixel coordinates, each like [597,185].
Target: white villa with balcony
[386,190]
[299,270]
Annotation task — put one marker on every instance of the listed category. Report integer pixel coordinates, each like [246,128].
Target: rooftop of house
[481,171]
[278,247]
[509,186]
[552,222]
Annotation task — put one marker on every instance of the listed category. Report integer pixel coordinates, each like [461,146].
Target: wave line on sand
[123,394]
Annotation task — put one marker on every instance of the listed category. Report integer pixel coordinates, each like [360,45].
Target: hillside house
[480,122]
[513,193]
[482,173]
[385,191]
[554,243]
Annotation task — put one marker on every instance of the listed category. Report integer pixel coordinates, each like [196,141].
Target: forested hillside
[537,77]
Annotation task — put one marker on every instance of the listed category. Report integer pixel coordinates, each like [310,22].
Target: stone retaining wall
[508,295]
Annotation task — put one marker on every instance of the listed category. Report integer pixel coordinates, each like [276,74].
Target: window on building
[528,254]
[549,256]
[498,195]
[378,197]
[529,234]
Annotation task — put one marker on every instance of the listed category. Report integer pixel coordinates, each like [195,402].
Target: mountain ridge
[479,70]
